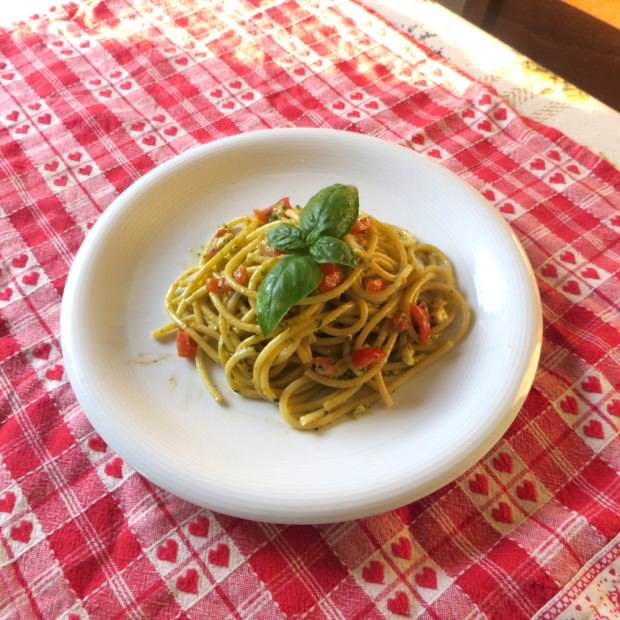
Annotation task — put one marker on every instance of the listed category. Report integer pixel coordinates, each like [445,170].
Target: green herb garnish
[326,218]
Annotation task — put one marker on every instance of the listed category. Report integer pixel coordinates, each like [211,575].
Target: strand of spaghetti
[164,331]
[204,375]
[374,321]
[231,318]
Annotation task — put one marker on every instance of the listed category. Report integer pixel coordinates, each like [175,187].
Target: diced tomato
[361,226]
[221,231]
[332,276]
[401,322]
[263,215]
[420,318]
[217,285]
[324,366]
[186,347]
[366,356]
[374,285]
[241,275]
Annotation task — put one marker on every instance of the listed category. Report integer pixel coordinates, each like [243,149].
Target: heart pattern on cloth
[75,156]
[594,429]
[12,116]
[479,484]
[502,513]
[167,551]
[417,138]
[590,273]
[199,527]
[402,548]
[508,208]
[484,125]
[549,271]
[484,100]
[61,181]
[19,261]
[502,462]
[489,194]
[114,468]
[188,582]
[538,164]
[435,153]
[568,257]
[592,384]
[569,405]
[373,572]
[572,287]
[7,502]
[42,351]
[22,532]
[527,491]
[553,154]
[55,373]
[399,604]
[613,408]
[51,166]
[557,178]
[97,444]
[427,578]
[501,114]
[6,294]
[219,556]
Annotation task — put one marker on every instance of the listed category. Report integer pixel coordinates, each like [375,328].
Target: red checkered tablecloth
[95,94]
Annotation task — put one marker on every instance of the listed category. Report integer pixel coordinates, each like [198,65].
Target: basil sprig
[326,218]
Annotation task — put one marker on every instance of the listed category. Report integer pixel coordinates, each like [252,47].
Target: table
[94,95]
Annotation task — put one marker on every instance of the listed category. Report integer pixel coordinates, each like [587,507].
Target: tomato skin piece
[361,226]
[400,322]
[263,215]
[186,347]
[374,285]
[217,285]
[241,275]
[332,276]
[324,366]
[420,318]
[366,356]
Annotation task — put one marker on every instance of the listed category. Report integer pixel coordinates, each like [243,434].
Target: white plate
[241,459]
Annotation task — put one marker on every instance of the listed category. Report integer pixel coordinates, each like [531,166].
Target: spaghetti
[362,333]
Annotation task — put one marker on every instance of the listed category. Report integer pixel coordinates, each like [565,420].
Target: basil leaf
[287,283]
[331,211]
[286,238]
[332,250]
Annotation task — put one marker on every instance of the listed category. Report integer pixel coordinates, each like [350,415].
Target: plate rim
[269,513]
